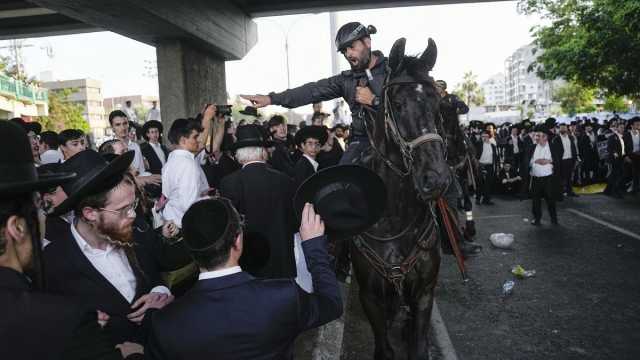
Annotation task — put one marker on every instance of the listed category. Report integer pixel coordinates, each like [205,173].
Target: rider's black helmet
[351,32]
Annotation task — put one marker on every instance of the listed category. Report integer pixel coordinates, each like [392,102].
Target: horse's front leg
[420,322]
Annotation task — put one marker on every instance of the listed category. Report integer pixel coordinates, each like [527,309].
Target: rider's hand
[364,96]
[258,100]
[311,225]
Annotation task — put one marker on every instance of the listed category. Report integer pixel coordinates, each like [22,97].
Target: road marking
[497,217]
[441,335]
[607,224]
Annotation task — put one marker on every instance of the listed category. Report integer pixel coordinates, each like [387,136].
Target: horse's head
[411,103]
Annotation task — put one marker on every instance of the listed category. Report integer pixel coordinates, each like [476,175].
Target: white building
[494,92]
[524,87]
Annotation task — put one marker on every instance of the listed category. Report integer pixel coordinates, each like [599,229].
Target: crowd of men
[580,153]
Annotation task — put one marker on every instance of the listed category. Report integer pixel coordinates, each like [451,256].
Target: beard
[118,236]
[363,61]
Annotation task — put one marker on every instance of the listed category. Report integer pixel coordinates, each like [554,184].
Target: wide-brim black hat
[348,198]
[551,122]
[476,124]
[543,129]
[152,124]
[95,174]
[251,136]
[28,126]
[18,173]
[311,132]
[251,111]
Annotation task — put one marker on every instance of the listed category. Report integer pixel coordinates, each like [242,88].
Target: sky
[470,37]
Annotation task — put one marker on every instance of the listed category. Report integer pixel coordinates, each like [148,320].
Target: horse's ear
[397,55]
[429,56]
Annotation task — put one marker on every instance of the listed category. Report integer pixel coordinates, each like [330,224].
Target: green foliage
[63,114]
[469,90]
[615,103]
[595,43]
[141,113]
[575,98]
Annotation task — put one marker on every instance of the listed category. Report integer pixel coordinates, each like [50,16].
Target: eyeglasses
[125,211]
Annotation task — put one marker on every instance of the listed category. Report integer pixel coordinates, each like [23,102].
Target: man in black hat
[36,325]
[487,155]
[566,144]
[450,105]
[232,315]
[542,166]
[309,140]
[588,148]
[617,156]
[360,86]
[280,157]
[263,195]
[96,260]
[153,150]
[632,146]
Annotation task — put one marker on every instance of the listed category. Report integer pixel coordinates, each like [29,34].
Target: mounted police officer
[359,87]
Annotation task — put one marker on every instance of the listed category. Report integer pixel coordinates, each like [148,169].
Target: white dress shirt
[566,144]
[183,183]
[514,140]
[487,154]
[50,157]
[312,161]
[113,264]
[138,161]
[157,148]
[153,114]
[541,152]
[219,273]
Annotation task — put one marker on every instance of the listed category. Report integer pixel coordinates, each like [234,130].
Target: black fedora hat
[95,174]
[251,111]
[314,132]
[550,122]
[28,126]
[18,173]
[349,198]
[152,124]
[251,135]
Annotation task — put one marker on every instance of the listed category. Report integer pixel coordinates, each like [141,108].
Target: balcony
[21,91]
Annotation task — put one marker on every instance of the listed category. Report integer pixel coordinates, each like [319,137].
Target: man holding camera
[361,86]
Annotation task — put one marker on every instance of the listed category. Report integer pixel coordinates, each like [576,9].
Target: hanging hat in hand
[18,173]
[251,111]
[349,198]
[95,174]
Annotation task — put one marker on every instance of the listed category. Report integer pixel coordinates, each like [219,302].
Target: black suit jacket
[281,159]
[614,147]
[265,197]
[240,317]
[510,148]
[588,150]
[36,325]
[69,272]
[155,165]
[303,170]
[496,159]
[55,228]
[557,143]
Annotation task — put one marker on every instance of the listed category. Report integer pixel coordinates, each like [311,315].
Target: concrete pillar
[188,78]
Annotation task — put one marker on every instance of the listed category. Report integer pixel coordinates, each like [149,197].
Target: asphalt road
[583,303]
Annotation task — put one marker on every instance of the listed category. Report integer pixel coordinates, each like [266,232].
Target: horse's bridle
[391,125]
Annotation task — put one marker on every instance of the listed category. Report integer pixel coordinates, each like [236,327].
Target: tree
[575,98]
[63,114]
[615,104]
[594,43]
[469,90]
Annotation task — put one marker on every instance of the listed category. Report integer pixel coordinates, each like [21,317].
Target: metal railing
[21,91]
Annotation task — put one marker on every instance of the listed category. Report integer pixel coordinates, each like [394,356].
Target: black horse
[396,262]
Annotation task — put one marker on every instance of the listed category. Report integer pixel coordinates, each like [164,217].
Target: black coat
[557,143]
[496,160]
[36,325]
[341,85]
[155,165]
[614,147]
[69,272]
[304,170]
[240,317]
[216,171]
[330,158]
[265,197]
[55,227]
[588,150]
[509,149]
[281,159]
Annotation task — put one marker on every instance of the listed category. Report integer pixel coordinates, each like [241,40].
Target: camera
[223,110]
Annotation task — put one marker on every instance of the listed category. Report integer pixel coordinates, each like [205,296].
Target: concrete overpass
[193,38]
